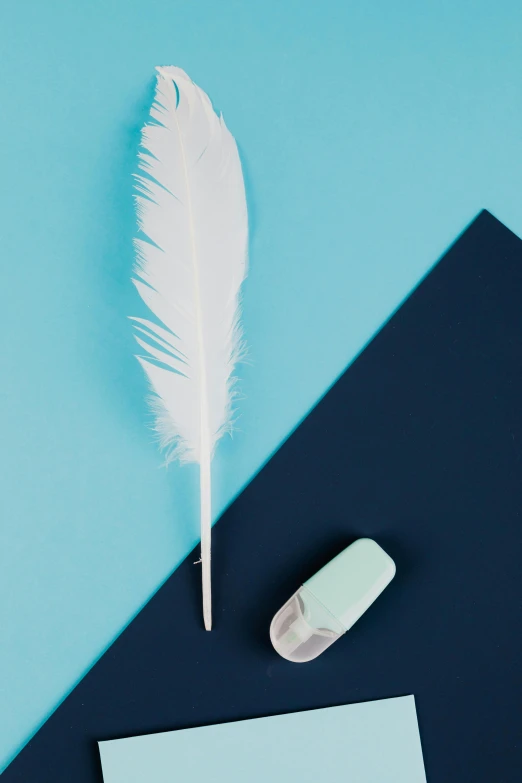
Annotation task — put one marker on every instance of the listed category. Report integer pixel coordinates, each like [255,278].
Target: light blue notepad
[374,742]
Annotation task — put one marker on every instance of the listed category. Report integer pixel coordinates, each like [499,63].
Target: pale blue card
[374,742]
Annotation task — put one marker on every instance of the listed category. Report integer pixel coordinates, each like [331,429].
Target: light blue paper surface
[374,742]
[371,134]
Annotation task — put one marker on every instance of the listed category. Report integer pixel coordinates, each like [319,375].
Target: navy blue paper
[418,445]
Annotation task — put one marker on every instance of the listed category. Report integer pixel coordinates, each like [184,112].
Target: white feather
[191,206]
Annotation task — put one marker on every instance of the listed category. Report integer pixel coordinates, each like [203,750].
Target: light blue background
[374,742]
[371,133]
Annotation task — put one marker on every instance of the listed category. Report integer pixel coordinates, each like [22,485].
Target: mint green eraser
[329,603]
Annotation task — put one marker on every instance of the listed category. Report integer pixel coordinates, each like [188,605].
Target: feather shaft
[205,494]
[205,486]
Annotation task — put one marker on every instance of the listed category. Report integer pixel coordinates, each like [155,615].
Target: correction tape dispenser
[329,603]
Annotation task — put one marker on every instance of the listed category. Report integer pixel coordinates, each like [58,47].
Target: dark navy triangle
[418,445]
